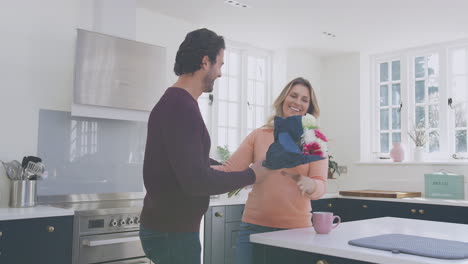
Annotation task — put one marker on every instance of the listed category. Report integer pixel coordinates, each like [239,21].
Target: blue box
[444,185]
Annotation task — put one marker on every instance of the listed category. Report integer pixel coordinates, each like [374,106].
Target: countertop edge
[33,212]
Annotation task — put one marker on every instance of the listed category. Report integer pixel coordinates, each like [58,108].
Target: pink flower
[320,135]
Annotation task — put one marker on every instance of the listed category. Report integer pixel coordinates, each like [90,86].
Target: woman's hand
[306,185]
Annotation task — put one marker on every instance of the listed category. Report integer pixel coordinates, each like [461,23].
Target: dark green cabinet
[38,240]
[220,235]
[360,209]
[264,254]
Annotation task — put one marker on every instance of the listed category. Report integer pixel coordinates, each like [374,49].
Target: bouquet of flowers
[297,141]
[313,142]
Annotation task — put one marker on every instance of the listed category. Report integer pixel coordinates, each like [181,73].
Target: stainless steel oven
[107,232]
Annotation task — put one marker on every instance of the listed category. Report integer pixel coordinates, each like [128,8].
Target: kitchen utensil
[23,193]
[33,171]
[13,170]
[27,159]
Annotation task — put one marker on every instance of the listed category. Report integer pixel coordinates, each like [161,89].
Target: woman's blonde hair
[278,104]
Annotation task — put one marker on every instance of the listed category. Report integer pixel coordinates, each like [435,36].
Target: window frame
[407,93]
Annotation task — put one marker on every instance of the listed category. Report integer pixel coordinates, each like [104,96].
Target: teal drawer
[234,213]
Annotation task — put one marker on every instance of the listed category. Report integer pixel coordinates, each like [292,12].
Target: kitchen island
[303,245]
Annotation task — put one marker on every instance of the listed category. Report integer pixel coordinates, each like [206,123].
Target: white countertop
[336,242]
[33,212]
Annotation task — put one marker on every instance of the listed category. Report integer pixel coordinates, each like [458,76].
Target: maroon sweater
[176,170]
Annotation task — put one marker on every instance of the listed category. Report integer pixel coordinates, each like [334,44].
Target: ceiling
[359,25]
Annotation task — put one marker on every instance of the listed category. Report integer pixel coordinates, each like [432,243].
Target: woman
[280,200]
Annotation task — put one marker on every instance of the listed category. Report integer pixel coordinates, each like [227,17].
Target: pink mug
[323,222]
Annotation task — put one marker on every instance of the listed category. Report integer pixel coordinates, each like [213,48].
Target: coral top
[275,200]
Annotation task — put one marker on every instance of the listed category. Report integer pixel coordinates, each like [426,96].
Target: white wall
[164,31]
[343,78]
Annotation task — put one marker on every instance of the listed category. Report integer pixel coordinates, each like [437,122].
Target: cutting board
[380,193]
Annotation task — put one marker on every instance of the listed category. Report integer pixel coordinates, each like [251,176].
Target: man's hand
[306,185]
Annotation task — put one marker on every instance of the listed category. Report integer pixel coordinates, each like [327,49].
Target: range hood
[116,78]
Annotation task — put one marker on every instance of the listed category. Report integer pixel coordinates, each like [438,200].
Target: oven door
[113,248]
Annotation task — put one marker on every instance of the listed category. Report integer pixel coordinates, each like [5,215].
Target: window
[426,88]
[239,102]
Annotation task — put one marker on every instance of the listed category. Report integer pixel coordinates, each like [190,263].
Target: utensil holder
[23,193]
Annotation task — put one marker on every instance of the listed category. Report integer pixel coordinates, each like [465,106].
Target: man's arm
[183,137]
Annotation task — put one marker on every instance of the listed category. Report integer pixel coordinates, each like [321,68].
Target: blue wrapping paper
[285,151]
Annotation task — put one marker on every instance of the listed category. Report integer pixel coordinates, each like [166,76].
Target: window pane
[251,64]
[223,88]
[396,122]
[260,69]
[384,95]
[384,72]
[434,116]
[433,65]
[234,88]
[233,115]
[396,137]
[384,119]
[420,115]
[395,70]
[250,92]
[204,109]
[233,64]
[260,93]
[222,137]
[459,88]
[384,142]
[233,139]
[434,141]
[222,113]
[459,61]
[250,117]
[259,116]
[396,94]
[460,115]
[433,91]
[419,67]
[460,141]
[419,91]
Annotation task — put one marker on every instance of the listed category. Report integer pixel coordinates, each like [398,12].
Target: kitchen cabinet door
[354,209]
[230,238]
[39,240]
[441,213]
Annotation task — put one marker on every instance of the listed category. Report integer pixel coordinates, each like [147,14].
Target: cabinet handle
[330,205]
[218,214]
[322,261]
[364,206]
[421,211]
[50,229]
[413,211]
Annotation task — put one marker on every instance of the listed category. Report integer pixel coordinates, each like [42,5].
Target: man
[176,171]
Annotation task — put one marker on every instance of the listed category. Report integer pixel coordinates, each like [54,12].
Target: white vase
[419,154]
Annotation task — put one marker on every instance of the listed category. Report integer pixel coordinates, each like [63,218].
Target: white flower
[323,145]
[309,136]
[309,121]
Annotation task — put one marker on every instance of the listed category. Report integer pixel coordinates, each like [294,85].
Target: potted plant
[418,136]
[332,167]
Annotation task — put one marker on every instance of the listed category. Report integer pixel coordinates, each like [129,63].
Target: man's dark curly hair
[197,44]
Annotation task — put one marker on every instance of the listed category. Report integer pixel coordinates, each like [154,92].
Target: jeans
[171,247]
[244,249]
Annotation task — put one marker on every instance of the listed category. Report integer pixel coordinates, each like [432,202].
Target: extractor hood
[116,78]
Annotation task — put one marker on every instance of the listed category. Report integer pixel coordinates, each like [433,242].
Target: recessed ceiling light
[328,34]
[235,3]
